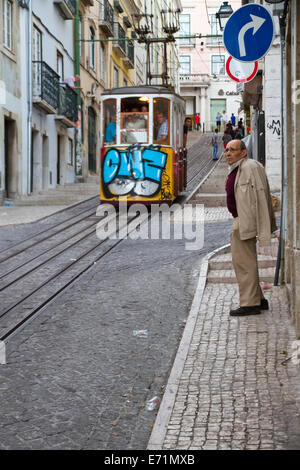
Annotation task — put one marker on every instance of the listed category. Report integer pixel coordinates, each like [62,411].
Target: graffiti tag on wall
[274,126]
[133,171]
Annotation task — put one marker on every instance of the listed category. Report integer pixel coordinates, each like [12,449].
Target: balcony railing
[67,105]
[129,59]
[45,86]
[67,7]
[107,17]
[119,46]
[193,79]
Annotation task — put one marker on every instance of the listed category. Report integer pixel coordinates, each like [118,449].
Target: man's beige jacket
[253,202]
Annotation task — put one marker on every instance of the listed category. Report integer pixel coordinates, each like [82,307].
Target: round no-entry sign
[241,71]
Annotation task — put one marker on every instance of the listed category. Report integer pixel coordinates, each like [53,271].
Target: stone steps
[221,269]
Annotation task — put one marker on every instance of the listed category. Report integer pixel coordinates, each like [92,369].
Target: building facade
[11,116]
[203,80]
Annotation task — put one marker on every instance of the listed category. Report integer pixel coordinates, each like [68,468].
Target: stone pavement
[233,384]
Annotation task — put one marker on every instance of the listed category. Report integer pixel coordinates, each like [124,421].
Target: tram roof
[143,89]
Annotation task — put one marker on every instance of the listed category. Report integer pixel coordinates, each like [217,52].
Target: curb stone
[163,416]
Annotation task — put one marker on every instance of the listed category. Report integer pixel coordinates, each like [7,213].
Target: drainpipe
[29,94]
[78,159]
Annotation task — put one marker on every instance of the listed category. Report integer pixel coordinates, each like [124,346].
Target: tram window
[134,121]
[109,121]
[161,121]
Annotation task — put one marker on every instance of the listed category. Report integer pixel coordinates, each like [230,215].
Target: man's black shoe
[264,304]
[242,311]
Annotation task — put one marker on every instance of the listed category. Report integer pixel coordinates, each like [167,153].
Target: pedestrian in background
[214,142]
[224,119]
[197,121]
[241,127]
[218,120]
[249,201]
[233,119]
[226,137]
[186,127]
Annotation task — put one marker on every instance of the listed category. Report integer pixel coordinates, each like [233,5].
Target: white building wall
[272,108]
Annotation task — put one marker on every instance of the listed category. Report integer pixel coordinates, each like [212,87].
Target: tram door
[92,139]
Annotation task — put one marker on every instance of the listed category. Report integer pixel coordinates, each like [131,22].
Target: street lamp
[170,21]
[143,24]
[223,14]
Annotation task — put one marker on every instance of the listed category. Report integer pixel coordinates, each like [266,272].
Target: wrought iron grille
[107,13]
[120,33]
[67,102]
[45,83]
[130,51]
[71,5]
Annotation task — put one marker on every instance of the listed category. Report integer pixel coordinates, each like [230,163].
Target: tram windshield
[134,121]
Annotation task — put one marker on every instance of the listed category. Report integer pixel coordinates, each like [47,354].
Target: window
[185,29]
[7,23]
[161,121]
[81,51]
[102,62]
[116,77]
[71,152]
[218,65]
[92,49]
[215,30]
[60,65]
[109,121]
[125,82]
[185,64]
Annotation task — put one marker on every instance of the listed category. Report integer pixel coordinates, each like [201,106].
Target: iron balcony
[45,87]
[106,20]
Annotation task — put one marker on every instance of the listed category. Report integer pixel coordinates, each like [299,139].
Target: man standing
[214,142]
[186,127]
[249,201]
[197,121]
[224,119]
[162,136]
[233,119]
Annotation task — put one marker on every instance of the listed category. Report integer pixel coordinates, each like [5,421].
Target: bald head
[235,151]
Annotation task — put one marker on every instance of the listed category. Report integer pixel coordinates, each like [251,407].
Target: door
[92,139]
[216,106]
[6,156]
[58,160]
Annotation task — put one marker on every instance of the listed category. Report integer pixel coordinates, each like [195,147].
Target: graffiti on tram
[133,171]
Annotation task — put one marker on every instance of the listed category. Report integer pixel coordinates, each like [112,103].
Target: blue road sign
[248,34]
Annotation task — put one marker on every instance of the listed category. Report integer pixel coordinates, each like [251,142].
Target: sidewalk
[229,387]
[37,206]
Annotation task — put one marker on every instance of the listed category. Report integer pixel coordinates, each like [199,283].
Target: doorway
[58,176]
[216,106]
[9,150]
[92,139]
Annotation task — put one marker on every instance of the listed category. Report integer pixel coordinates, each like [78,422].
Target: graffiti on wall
[135,171]
[274,126]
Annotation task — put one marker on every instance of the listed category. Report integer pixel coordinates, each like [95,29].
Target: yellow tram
[142,157]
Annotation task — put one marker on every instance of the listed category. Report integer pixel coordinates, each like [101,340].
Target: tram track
[53,275]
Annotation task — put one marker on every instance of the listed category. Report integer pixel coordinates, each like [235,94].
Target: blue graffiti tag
[135,163]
